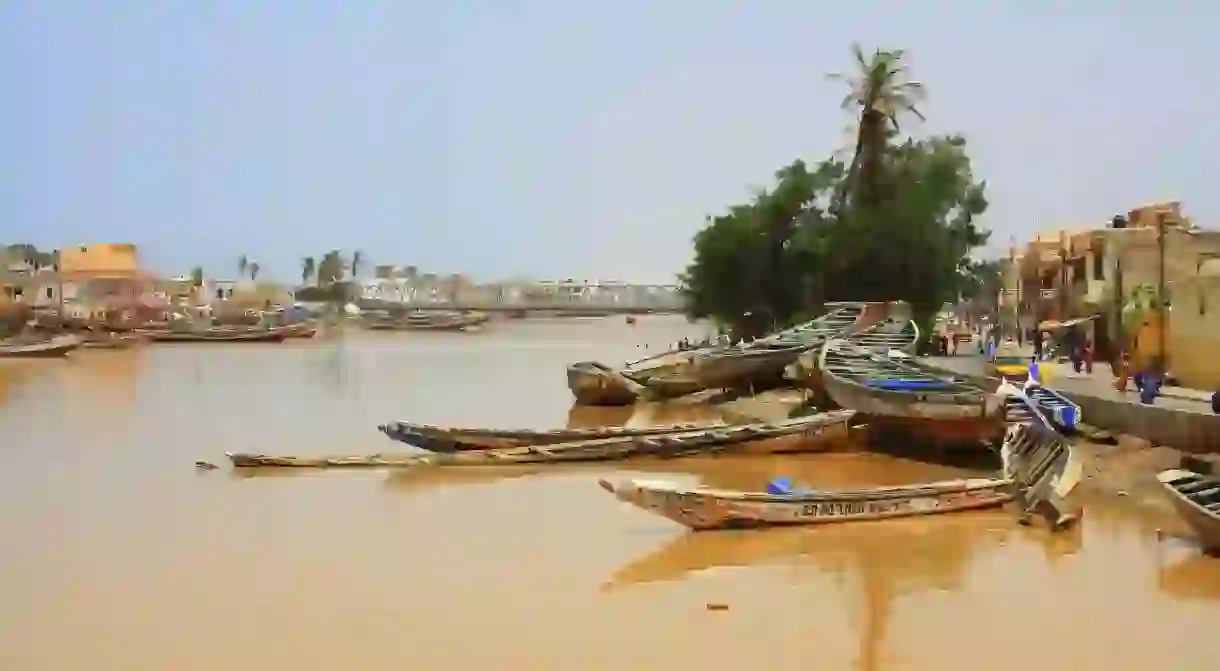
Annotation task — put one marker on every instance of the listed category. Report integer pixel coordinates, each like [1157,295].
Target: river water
[117,554]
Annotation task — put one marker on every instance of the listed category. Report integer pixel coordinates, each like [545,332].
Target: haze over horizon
[552,139]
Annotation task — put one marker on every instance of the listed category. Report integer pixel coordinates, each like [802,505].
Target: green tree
[881,91]
[197,276]
[254,269]
[357,262]
[907,235]
[243,263]
[330,269]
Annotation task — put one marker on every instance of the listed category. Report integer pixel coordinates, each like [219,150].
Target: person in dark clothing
[1216,402]
[1038,344]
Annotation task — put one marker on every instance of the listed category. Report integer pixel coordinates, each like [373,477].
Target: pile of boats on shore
[855,355]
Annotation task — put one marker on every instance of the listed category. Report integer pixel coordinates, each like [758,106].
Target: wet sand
[115,553]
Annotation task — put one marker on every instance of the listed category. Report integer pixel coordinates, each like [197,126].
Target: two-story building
[1093,275]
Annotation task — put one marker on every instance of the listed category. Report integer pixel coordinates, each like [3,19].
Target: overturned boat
[906,393]
[1196,498]
[794,435]
[1039,472]
[454,439]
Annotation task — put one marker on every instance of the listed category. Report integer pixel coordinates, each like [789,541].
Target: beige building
[1063,276]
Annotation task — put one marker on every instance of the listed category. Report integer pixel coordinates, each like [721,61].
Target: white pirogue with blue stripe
[1053,409]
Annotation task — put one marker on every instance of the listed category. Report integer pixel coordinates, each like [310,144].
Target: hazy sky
[556,138]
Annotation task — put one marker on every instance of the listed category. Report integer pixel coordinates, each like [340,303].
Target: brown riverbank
[117,554]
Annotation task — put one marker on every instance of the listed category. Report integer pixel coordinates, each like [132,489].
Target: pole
[1120,298]
[1160,293]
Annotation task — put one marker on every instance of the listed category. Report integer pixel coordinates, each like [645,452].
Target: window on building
[50,292]
[1099,261]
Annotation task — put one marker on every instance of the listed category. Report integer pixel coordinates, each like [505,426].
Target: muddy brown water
[115,553]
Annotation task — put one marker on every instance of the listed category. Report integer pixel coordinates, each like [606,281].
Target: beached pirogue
[892,391]
[676,373]
[1039,472]
[457,439]
[1196,498]
[794,435]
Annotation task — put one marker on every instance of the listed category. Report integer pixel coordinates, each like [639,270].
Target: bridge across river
[565,307]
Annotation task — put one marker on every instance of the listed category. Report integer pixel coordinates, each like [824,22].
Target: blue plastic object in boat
[780,486]
[908,385]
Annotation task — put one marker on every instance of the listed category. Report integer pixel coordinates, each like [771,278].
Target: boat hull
[53,348]
[115,341]
[1040,473]
[1192,504]
[591,383]
[737,369]
[272,335]
[708,509]
[442,439]
[954,410]
[796,435]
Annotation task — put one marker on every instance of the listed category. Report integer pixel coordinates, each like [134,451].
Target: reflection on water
[118,554]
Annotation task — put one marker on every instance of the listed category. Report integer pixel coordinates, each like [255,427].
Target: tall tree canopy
[898,223]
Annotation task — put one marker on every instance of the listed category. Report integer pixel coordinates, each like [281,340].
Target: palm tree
[242,264]
[357,259]
[197,276]
[882,91]
[253,267]
[309,268]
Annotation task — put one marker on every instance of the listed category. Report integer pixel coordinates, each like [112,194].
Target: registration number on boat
[850,508]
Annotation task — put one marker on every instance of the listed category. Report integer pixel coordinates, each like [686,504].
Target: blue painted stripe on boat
[908,385]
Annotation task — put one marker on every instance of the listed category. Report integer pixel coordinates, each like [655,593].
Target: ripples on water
[117,554]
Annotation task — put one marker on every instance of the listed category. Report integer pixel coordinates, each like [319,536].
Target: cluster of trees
[327,278]
[899,222]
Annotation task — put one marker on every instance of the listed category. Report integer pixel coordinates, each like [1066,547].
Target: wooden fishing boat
[110,340]
[704,509]
[38,348]
[1045,470]
[839,319]
[593,383]
[218,334]
[454,439]
[737,368]
[1196,498]
[906,393]
[1039,404]
[300,330]
[795,435]
[1038,467]
[894,333]
[662,384]
[755,363]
